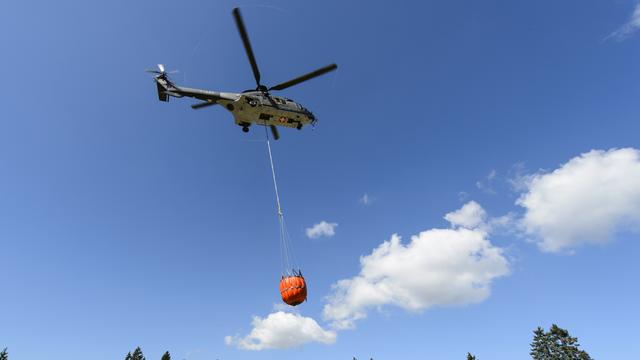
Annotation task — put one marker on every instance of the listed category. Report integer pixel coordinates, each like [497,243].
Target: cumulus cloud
[471,215]
[630,27]
[322,228]
[438,267]
[282,330]
[584,201]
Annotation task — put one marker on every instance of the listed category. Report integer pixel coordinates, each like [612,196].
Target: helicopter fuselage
[248,108]
[263,109]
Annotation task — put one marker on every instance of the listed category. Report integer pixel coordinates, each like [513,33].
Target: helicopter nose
[312,118]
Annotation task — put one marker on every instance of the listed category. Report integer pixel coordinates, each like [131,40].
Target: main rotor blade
[304,77]
[274,131]
[203,104]
[247,44]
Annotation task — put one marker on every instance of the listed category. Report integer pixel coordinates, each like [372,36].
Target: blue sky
[128,222]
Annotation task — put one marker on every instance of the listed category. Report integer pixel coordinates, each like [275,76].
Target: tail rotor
[164,85]
[161,71]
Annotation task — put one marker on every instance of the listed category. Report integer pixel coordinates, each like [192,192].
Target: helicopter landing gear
[245,126]
[299,127]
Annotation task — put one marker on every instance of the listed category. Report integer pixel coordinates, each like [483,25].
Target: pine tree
[137,354]
[470,357]
[556,344]
[4,355]
[166,356]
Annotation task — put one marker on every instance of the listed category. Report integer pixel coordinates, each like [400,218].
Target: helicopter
[256,106]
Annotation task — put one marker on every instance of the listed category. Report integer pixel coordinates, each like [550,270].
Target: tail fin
[166,88]
[162,95]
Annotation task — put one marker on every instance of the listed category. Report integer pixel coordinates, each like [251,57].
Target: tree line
[135,355]
[555,344]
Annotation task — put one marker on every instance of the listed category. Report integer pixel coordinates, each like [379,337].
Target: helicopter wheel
[299,127]
[245,129]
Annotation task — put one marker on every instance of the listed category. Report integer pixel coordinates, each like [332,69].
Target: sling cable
[293,287]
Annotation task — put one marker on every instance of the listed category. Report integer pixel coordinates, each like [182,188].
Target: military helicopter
[251,106]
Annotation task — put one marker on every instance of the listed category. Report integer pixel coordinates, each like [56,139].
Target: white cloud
[470,216]
[282,330]
[585,201]
[630,27]
[366,199]
[322,228]
[438,267]
[473,216]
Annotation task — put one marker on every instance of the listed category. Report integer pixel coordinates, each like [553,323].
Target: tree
[137,355]
[470,357]
[4,355]
[556,344]
[166,356]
